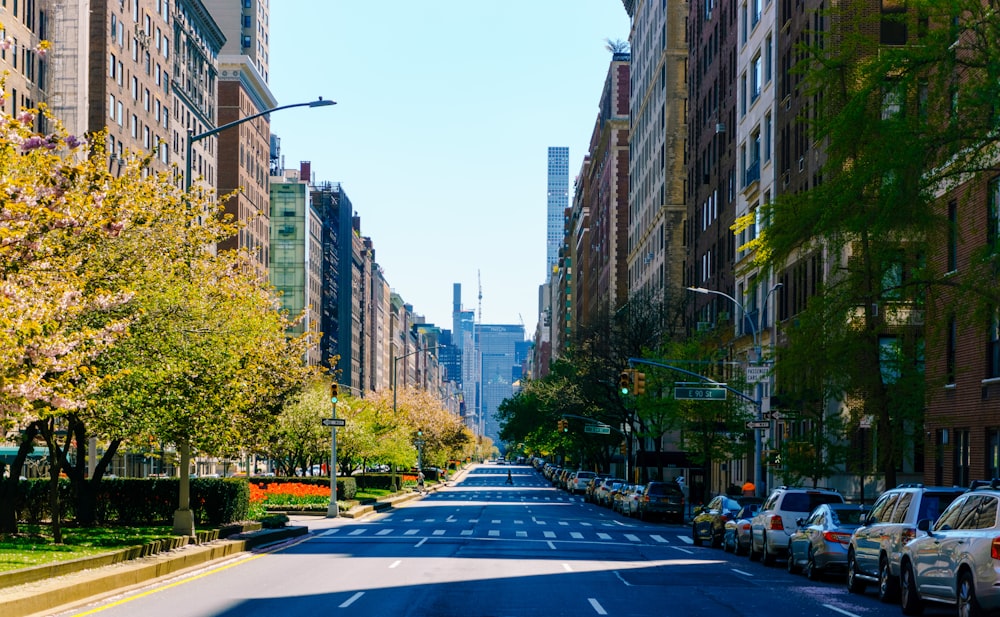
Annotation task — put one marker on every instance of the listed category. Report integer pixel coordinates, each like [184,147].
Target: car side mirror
[924,524]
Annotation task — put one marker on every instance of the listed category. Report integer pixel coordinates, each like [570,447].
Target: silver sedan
[819,543]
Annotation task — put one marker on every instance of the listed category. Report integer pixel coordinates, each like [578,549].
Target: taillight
[776,524]
[995,548]
[837,537]
[908,534]
[645,498]
[745,526]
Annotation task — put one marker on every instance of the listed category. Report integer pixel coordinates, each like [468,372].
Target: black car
[709,523]
[662,500]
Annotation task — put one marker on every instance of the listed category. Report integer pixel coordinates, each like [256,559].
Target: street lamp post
[184,517]
[758,479]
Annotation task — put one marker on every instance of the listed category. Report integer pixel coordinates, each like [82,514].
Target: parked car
[580,481]
[875,548]
[664,500]
[954,560]
[618,497]
[630,507]
[603,494]
[709,522]
[772,526]
[819,543]
[736,538]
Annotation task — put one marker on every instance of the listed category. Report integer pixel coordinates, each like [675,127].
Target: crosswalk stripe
[522,534]
[466,532]
[411,532]
[358,532]
[576,535]
[438,532]
[384,532]
[549,534]
[658,538]
[631,538]
[604,536]
[494,533]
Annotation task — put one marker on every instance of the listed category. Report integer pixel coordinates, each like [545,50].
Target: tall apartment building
[556,202]
[296,268]
[137,78]
[657,107]
[244,155]
[197,41]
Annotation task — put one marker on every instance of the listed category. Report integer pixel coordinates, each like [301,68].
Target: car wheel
[968,605]
[909,598]
[811,571]
[854,582]
[695,538]
[754,555]
[888,587]
[725,544]
[716,540]
[766,557]
[738,548]
[791,566]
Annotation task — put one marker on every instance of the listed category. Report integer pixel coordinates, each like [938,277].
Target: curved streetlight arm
[753,326]
[192,138]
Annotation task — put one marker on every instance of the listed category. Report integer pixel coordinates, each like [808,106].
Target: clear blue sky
[445,111]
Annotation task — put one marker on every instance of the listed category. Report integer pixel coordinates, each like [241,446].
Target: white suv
[955,562]
[775,522]
[875,548]
[579,480]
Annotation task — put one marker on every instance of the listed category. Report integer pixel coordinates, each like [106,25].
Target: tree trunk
[9,486]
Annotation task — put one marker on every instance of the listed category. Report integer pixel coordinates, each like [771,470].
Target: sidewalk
[33,592]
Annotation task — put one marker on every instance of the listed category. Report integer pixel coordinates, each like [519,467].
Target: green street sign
[699,394]
[593,428]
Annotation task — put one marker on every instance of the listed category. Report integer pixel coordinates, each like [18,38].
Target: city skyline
[459,198]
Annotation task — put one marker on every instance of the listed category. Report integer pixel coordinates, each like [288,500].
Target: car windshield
[663,489]
[807,502]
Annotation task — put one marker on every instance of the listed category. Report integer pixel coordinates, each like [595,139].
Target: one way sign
[334,422]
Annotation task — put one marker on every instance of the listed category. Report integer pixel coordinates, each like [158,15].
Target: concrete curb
[43,597]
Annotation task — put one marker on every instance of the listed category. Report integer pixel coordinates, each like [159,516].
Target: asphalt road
[481,548]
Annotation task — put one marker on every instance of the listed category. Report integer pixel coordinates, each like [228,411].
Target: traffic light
[623,448]
[640,383]
[334,392]
[563,426]
[625,381]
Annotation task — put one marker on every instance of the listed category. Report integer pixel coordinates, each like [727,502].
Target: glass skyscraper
[558,201]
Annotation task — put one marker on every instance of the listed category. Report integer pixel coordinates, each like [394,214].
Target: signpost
[758,424]
[596,428]
[699,394]
[756,374]
[334,422]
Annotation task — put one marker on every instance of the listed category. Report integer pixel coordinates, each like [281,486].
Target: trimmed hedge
[141,501]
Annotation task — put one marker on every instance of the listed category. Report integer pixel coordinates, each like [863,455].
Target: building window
[768,59]
[756,77]
[963,455]
[767,137]
[951,350]
[952,236]
[993,349]
[993,215]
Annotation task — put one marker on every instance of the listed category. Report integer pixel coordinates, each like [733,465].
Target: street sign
[774,415]
[756,374]
[699,394]
[334,422]
[594,428]
[756,424]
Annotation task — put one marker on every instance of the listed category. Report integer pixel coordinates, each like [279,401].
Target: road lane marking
[597,606]
[551,545]
[631,537]
[576,535]
[494,533]
[394,564]
[411,532]
[604,536]
[839,610]
[659,539]
[741,572]
[352,599]
[495,521]
[567,567]
[421,543]
[328,532]
[466,532]
[549,534]
[357,532]
[521,534]
[384,532]
[686,539]
[438,532]
[683,550]
[619,575]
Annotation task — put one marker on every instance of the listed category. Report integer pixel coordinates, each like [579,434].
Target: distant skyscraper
[502,352]
[558,201]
